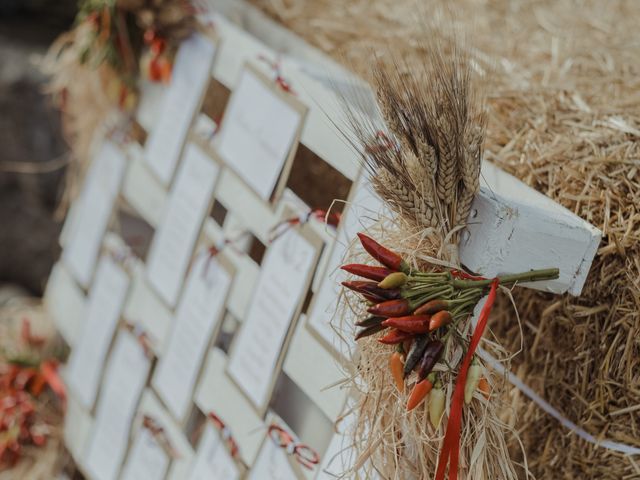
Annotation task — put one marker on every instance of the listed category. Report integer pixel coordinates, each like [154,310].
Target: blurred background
[33,152]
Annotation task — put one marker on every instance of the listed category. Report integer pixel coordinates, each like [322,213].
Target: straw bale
[563,91]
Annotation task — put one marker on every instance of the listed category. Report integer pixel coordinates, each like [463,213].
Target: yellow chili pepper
[436,405]
[473,378]
[393,280]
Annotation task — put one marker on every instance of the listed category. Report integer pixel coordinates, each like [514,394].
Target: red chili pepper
[411,324]
[382,254]
[368,331]
[367,322]
[367,271]
[372,288]
[394,337]
[432,307]
[391,308]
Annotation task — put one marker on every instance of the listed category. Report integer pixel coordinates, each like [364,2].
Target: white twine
[544,405]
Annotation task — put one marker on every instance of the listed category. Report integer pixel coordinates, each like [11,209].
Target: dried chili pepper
[382,254]
[430,357]
[368,322]
[394,280]
[395,337]
[367,271]
[415,353]
[410,323]
[368,331]
[432,307]
[439,319]
[396,365]
[436,405]
[391,308]
[420,391]
[473,378]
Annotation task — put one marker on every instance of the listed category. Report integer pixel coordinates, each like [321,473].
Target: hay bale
[564,117]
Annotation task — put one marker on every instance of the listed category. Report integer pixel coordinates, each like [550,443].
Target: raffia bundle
[564,117]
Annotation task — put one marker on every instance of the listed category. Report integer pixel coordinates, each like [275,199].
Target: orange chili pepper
[396,366]
[382,254]
[367,271]
[391,308]
[432,307]
[484,387]
[440,319]
[420,391]
[409,323]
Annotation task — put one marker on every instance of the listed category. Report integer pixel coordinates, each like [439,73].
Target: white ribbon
[542,403]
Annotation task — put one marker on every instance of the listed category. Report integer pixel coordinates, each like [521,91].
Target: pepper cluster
[418,313]
[24,408]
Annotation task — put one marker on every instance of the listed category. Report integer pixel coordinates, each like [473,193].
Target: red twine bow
[451,444]
[159,434]
[304,454]
[225,433]
[279,79]
[330,218]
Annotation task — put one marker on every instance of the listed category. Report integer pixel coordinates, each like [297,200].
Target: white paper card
[125,378]
[176,237]
[362,212]
[147,459]
[189,79]
[94,207]
[106,299]
[213,461]
[272,463]
[198,312]
[257,133]
[281,287]
[341,455]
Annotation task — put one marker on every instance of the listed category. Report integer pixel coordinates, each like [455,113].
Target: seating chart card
[364,206]
[213,460]
[198,313]
[147,458]
[123,383]
[189,79]
[259,132]
[286,273]
[93,211]
[175,239]
[106,299]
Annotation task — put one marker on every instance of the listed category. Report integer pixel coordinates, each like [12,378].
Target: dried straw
[564,116]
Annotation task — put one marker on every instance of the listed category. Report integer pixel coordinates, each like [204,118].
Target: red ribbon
[451,445]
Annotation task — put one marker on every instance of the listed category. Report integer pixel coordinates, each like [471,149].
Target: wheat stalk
[429,169]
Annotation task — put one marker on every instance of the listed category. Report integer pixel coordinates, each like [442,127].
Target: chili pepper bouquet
[428,406]
[32,395]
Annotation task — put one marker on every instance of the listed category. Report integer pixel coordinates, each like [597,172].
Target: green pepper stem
[531,276]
